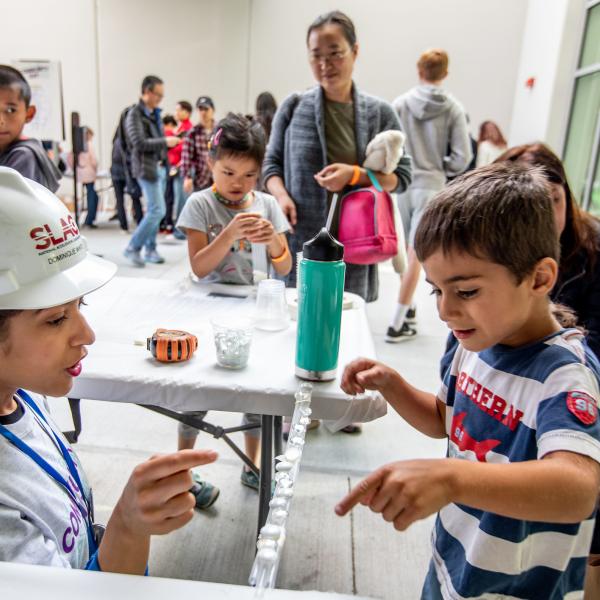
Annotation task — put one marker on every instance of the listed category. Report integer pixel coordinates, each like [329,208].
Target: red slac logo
[45,237]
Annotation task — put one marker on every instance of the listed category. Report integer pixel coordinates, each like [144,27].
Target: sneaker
[352,428]
[134,257]
[250,479]
[152,256]
[411,316]
[169,239]
[406,332]
[206,494]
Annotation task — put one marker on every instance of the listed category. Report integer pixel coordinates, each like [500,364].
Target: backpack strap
[374,181]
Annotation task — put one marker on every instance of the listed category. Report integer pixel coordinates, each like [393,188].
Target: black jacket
[146,141]
[579,288]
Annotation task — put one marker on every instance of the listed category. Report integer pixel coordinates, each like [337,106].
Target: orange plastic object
[172,345]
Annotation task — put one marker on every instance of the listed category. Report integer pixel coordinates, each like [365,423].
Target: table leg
[277,435]
[266,468]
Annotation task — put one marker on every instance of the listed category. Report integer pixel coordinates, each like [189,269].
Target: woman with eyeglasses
[318,142]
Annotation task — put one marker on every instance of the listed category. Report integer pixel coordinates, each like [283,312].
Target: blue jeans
[146,231]
[92,203]
[431,587]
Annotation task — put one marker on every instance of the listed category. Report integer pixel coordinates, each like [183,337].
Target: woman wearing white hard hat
[46,510]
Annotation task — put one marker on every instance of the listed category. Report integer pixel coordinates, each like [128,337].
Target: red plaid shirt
[194,157]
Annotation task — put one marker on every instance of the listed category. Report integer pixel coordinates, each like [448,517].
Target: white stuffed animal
[384,151]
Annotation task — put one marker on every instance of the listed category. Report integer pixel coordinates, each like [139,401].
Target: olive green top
[341,143]
[339,132]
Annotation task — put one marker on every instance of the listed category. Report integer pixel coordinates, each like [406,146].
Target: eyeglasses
[328,59]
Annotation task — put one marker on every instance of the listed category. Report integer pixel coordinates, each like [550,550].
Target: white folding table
[128,310]
[51,583]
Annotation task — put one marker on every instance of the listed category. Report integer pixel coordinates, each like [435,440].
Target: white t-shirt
[487,153]
[203,212]
[39,523]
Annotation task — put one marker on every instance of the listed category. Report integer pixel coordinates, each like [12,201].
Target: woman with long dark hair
[578,285]
[490,144]
[266,107]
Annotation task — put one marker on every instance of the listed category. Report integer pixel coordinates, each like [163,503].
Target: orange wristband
[355,175]
[281,257]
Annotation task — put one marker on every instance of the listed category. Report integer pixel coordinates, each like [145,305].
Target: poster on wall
[45,79]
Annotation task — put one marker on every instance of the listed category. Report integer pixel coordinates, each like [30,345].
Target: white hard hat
[44,260]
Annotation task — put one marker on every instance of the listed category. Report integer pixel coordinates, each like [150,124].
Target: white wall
[483,39]
[234,49]
[196,46]
[56,30]
[549,52]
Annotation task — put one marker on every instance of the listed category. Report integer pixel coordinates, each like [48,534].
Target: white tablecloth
[127,310]
[26,581]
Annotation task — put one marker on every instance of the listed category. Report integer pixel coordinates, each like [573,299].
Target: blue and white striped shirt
[507,405]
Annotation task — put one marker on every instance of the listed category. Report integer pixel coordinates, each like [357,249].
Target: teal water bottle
[321,274]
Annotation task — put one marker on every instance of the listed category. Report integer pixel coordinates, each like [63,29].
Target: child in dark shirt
[27,156]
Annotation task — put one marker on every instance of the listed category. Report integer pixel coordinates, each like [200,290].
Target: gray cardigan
[297,150]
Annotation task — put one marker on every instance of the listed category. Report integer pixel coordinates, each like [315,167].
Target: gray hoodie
[437,136]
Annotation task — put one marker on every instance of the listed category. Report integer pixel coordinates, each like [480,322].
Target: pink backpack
[366,226]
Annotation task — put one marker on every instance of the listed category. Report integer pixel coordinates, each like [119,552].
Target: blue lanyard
[86,509]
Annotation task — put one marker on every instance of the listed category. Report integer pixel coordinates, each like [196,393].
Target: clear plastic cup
[272,312]
[233,337]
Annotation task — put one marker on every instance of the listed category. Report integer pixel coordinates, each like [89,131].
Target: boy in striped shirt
[517,492]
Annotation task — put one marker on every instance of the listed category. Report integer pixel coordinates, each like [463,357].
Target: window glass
[590,53]
[582,127]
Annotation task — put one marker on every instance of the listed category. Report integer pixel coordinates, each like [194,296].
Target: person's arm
[420,409]
[561,488]
[155,501]
[276,188]
[136,136]
[205,257]
[591,319]
[460,152]
[186,157]
[273,164]
[278,250]
[277,246]
[335,177]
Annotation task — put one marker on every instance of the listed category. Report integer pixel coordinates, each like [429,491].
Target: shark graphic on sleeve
[460,436]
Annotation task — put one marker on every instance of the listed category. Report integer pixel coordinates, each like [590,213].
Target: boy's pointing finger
[364,489]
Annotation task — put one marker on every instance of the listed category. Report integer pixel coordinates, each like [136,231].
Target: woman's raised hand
[335,177]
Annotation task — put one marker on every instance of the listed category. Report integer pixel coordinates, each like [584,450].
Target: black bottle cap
[323,247]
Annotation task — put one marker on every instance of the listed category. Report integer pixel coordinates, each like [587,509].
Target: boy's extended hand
[403,492]
[156,499]
[366,374]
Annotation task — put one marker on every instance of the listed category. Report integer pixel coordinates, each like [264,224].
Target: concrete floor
[322,552]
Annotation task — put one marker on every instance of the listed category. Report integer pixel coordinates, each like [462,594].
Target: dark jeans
[92,203]
[167,222]
[119,186]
